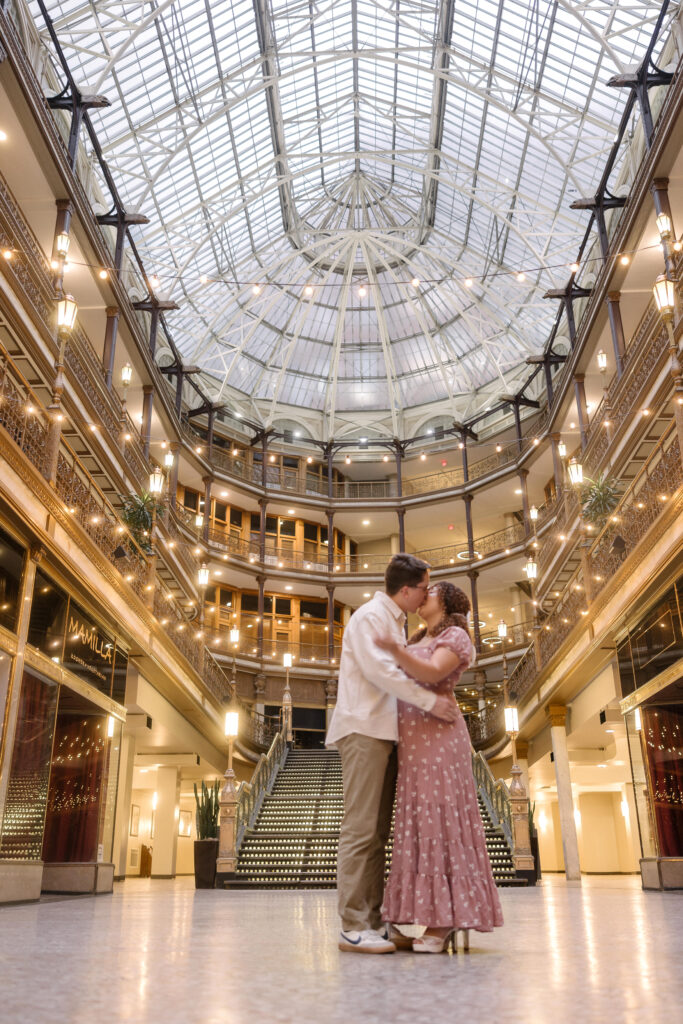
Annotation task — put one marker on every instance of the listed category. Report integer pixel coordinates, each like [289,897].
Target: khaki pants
[369,769]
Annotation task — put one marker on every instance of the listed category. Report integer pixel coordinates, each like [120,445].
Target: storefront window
[646,825]
[663,738]
[79,819]
[5,666]
[48,617]
[27,789]
[11,569]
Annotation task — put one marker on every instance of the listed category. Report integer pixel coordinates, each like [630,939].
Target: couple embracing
[393,693]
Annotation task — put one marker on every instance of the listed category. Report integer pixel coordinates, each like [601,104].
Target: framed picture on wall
[134,820]
[185,823]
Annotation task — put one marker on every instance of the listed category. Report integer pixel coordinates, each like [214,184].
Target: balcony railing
[639,508]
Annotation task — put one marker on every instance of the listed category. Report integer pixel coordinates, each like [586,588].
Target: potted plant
[206,843]
[599,499]
[138,513]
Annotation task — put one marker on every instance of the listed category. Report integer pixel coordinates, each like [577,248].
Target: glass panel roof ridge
[357,206]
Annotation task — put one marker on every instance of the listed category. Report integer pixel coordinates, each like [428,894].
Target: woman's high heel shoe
[441,944]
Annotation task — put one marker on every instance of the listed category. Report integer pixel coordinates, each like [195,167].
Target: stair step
[293,844]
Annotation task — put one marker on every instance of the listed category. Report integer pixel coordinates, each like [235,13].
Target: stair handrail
[250,795]
[495,795]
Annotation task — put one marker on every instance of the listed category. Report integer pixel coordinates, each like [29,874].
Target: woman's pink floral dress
[440,871]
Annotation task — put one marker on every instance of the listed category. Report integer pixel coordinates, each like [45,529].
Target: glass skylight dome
[342,194]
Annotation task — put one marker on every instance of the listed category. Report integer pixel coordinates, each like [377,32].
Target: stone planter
[205,855]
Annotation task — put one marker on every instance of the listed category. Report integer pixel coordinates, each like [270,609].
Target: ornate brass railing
[496,795]
[639,508]
[250,795]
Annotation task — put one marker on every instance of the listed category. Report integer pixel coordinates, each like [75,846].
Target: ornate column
[473,576]
[330,540]
[110,344]
[146,427]
[330,698]
[206,480]
[468,499]
[400,512]
[259,692]
[173,477]
[480,687]
[617,330]
[56,417]
[330,621]
[557,715]
[261,605]
[262,504]
[523,763]
[463,451]
[581,410]
[660,196]
[523,474]
[558,471]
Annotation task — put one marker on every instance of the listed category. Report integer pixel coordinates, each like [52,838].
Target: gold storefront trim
[58,674]
[652,688]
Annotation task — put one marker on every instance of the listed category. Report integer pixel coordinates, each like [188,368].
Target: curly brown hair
[455,604]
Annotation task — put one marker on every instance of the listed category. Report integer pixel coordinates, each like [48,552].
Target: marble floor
[157,951]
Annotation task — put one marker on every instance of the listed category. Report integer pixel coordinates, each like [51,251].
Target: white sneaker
[368,941]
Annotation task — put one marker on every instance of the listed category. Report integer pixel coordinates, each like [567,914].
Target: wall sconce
[156,482]
[575,472]
[66,313]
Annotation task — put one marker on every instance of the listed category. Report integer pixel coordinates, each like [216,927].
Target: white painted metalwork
[332,143]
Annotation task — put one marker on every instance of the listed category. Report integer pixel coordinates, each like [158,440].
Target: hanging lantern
[602,360]
[663,290]
[575,472]
[533,513]
[531,568]
[62,242]
[511,721]
[203,576]
[664,225]
[502,629]
[232,722]
[156,482]
[169,459]
[126,375]
[66,313]
[562,449]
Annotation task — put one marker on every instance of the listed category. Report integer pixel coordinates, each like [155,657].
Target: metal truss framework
[317,147]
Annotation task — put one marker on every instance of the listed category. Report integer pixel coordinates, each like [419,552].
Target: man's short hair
[404,571]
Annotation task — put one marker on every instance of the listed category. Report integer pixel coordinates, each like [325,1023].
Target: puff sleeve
[456,640]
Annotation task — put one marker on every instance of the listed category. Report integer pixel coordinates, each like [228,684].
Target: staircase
[293,843]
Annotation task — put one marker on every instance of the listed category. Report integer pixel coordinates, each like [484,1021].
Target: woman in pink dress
[440,872]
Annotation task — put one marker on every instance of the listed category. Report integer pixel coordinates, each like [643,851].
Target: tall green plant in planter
[599,499]
[206,843]
[138,513]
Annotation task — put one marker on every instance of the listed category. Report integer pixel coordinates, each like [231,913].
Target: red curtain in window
[663,736]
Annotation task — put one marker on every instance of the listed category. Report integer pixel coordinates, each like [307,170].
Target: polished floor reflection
[158,951]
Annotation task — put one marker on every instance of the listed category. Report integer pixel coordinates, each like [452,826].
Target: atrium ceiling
[357,205]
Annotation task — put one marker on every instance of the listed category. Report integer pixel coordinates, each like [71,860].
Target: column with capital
[581,408]
[330,621]
[523,474]
[146,427]
[261,580]
[109,351]
[206,480]
[616,330]
[330,699]
[558,471]
[557,716]
[473,576]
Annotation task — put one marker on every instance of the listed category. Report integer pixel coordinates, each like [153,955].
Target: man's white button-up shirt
[370,681]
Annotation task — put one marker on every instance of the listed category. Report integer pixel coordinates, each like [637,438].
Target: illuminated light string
[309,288]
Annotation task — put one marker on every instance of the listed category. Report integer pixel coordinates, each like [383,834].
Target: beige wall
[604,844]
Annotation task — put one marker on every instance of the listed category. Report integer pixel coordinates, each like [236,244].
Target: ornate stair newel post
[519,802]
[227,819]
